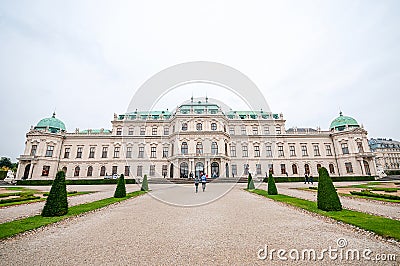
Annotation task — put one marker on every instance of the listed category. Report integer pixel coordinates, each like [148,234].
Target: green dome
[342,121]
[52,123]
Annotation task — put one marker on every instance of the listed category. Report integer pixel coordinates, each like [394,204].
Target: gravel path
[387,209]
[229,231]
[25,210]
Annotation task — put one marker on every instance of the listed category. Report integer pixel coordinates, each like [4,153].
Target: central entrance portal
[199,169]
[215,169]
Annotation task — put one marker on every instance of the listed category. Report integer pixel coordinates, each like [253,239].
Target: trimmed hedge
[74,182]
[120,191]
[368,193]
[285,179]
[250,182]
[272,190]
[392,172]
[327,197]
[57,203]
[19,199]
[145,184]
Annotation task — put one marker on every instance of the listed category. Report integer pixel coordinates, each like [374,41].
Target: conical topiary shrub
[57,203]
[272,190]
[250,183]
[327,198]
[120,191]
[145,184]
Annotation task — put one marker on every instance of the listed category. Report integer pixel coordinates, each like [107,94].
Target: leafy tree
[120,191]
[145,184]
[250,183]
[272,190]
[327,197]
[57,203]
[6,162]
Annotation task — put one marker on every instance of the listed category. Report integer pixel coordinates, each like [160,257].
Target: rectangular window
[116,152]
[304,150]
[142,131]
[127,170]
[280,151]
[154,131]
[153,153]
[349,168]
[266,130]
[49,151]
[283,169]
[360,147]
[164,170]
[79,152]
[257,151]
[119,131]
[152,170]
[278,130]
[268,151]
[232,130]
[292,150]
[271,168]
[114,170]
[345,148]
[243,130]
[255,130]
[258,169]
[139,171]
[166,130]
[165,152]
[45,170]
[130,131]
[234,169]
[33,150]
[104,152]
[328,150]
[245,152]
[316,150]
[91,152]
[245,169]
[128,152]
[66,152]
[141,152]
[233,150]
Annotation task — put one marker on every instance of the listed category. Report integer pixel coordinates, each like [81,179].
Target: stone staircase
[159,180]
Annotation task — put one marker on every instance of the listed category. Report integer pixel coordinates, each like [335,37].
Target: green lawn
[18,226]
[382,226]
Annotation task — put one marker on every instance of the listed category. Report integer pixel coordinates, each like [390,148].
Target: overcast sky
[85,59]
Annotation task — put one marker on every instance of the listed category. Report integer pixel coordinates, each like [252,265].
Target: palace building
[200,135]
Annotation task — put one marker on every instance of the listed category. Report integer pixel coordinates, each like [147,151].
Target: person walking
[305,179]
[203,181]
[196,183]
[311,180]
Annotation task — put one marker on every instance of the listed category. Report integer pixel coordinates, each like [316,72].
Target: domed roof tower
[342,122]
[51,124]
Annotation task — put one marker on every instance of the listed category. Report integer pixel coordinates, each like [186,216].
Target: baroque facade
[198,136]
[387,153]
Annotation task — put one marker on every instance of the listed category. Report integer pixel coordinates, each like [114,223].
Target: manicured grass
[369,198]
[18,226]
[382,226]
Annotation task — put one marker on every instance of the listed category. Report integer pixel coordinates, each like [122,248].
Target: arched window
[184,170]
[213,126]
[64,169]
[184,148]
[199,148]
[294,169]
[214,148]
[331,168]
[307,169]
[76,172]
[90,171]
[199,126]
[103,171]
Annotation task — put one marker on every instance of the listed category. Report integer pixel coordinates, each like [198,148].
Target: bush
[3,174]
[250,183]
[120,191]
[57,203]
[74,182]
[272,190]
[327,197]
[368,193]
[392,172]
[283,179]
[145,184]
